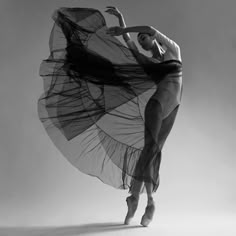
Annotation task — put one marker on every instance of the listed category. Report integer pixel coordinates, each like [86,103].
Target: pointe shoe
[148,215]
[132,203]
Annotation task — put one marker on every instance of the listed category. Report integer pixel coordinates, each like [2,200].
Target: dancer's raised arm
[126,36]
[114,11]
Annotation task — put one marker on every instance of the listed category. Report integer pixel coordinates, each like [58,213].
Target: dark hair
[147,34]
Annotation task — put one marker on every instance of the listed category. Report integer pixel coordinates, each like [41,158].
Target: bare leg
[137,185]
[167,125]
[153,120]
[161,132]
[150,162]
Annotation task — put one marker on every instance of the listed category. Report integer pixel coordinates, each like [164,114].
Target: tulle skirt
[95,93]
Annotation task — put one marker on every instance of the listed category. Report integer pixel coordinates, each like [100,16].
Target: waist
[171,79]
[173,76]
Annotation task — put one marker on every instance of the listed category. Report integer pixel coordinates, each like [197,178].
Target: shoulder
[173,54]
[173,50]
[162,38]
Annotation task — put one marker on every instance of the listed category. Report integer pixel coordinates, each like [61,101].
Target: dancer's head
[146,41]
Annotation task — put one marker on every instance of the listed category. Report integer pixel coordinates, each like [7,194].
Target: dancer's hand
[116,31]
[113,11]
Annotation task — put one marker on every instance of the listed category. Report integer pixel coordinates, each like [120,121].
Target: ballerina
[94,90]
[160,111]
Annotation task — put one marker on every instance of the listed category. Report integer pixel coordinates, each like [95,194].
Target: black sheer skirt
[95,93]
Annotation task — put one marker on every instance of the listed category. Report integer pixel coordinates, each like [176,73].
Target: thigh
[153,121]
[167,125]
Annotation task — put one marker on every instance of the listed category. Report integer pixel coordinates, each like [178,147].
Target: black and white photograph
[117,118]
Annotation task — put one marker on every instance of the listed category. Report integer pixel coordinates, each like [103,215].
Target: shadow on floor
[66,230]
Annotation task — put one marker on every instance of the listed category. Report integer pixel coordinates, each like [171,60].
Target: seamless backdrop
[38,186]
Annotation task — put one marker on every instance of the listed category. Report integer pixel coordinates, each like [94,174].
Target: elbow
[177,47]
[178,52]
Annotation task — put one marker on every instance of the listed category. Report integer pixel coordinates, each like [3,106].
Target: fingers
[114,28]
[115,31]
[108,31]
[112,31]
[112,10]
[111,7]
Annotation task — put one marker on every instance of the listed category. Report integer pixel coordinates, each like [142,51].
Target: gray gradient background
[38,186]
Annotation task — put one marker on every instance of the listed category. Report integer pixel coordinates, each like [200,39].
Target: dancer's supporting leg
[167,125]
[153,122]
[164,130]
[153,112]
[161,133]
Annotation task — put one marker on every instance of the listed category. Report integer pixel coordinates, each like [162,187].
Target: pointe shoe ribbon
[132,203]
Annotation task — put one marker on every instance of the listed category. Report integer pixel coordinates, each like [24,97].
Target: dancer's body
[160,111]
[94,88]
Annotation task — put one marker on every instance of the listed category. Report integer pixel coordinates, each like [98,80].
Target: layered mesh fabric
[95,93]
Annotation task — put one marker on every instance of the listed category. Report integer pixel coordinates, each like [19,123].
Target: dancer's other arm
[160,37]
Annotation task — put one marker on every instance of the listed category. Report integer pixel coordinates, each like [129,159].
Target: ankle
[150,200]
[135,195]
